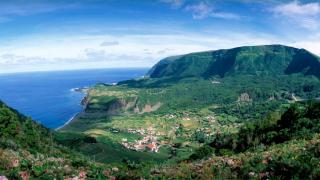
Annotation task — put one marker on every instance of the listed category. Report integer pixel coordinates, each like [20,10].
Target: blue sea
[47,96]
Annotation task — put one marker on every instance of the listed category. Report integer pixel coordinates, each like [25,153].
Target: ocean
[48,98]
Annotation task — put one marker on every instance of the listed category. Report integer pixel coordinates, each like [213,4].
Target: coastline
[83,103]
[70,120]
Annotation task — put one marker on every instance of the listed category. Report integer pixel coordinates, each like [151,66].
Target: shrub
[202,152]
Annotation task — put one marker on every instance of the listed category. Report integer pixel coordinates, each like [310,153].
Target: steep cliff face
[249,60]
[116,106]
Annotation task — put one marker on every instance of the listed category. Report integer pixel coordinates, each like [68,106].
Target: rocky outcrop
[244,97]
[116,107]
[147,108]
[122,105]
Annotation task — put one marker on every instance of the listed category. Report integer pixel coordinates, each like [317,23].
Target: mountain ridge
[252,60]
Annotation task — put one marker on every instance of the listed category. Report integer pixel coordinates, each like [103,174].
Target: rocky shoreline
[84,102]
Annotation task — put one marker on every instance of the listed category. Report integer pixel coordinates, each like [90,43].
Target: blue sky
[39,35]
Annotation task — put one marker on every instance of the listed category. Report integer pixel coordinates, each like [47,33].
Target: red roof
[151,146]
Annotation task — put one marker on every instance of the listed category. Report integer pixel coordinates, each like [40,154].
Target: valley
[243,112]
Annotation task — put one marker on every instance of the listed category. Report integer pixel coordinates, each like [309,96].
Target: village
[151,137]
[149,142]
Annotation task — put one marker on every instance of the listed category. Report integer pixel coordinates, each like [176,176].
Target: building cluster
[137,131]
[149,141]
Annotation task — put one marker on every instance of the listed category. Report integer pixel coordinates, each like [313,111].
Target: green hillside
[28,150]
[18,131]
[249,60]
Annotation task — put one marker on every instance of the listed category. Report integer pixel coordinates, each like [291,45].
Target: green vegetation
[286,147]
[296,123]
[248,112]
[28,150]
[18,131]
[254,60]
[104,149]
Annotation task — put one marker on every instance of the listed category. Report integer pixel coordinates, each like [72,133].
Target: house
[139,147]
[152,147]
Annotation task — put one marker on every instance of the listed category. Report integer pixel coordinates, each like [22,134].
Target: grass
[114,136]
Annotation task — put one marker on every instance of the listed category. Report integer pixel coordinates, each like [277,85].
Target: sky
[42,35]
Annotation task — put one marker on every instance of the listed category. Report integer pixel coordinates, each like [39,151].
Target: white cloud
[95,55]
[13,59]
[304,15]
[204,10]
[225,15]
[200,11]
[84,51]
[311,43]
[295,8]
[164,51]
[109,43]
[309,23]
[312,46]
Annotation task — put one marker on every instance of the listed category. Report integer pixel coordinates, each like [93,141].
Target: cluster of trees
[300,121]
[18,131]
[296,123]
[293,134]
